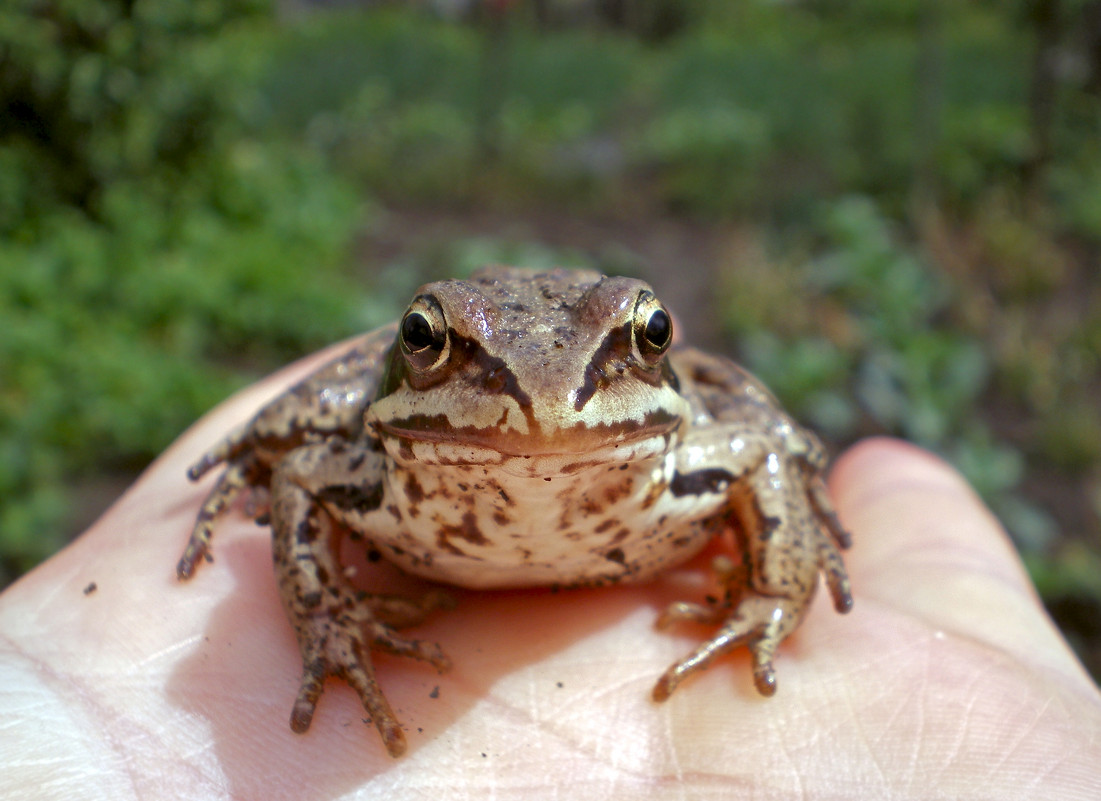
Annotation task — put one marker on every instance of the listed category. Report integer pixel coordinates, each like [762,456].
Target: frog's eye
[652,329]
[423,334]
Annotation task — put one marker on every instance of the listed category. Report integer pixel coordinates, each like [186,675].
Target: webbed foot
[338,642]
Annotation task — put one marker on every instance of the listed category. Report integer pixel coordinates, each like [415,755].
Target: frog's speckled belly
[484,528]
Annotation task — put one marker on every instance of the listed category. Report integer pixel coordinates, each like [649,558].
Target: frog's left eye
[652,329]
[423,334]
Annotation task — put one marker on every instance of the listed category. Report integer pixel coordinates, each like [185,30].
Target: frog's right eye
[423,334]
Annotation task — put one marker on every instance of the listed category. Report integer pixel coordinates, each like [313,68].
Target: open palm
[947,680]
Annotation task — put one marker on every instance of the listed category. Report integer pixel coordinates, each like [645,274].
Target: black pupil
[416,332]
[658,329]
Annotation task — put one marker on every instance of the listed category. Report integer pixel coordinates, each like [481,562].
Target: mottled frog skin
[526,429]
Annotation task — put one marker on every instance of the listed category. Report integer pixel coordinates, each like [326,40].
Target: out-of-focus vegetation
[909,192]
[152,243]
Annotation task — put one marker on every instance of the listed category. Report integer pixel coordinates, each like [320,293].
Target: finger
[927,545]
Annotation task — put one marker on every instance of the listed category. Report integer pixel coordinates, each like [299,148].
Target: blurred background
[888,209]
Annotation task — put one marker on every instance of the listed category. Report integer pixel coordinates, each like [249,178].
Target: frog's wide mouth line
[579,439]
[523,455]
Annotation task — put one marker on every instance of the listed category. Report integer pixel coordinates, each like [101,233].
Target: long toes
[305,704]
[764,677]
[370,694]
[759,622]
[693,613]
[823,507]
[399,612]
[383,638]
[837,578]
[198,549]
[733,635]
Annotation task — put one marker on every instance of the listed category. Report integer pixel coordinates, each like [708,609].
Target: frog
[527,428]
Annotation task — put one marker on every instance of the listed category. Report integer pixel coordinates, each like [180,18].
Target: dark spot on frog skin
[413,489]
[698,482]
[577,467]
[356,462]
[616,492]
[352,497]
[607,525]
[305,533]
[90,588]
[589,507]
[467,530]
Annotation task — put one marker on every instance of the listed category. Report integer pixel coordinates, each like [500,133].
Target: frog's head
[541,372]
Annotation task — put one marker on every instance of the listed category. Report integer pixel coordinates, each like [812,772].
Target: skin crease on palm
[947,680]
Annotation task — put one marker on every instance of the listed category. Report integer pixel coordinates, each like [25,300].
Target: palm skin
[947,680]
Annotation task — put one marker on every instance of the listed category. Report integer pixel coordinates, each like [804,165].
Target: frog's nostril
[496,379]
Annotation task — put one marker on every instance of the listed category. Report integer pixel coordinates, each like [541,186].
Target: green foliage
[760,117]
[95,92]
[149,236]
[899,366]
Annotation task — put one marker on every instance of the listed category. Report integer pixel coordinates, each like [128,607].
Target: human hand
[947,680]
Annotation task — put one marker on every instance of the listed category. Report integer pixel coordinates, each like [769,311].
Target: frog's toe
[353,666]
[225,491]
[198,549]
[760,622]
[680,611]
[339,649]
[837,578]
[824,511]
[400,612]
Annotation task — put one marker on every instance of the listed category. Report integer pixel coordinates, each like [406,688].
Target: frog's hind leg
[336,626]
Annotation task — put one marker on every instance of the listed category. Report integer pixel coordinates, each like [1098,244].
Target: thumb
[928,548]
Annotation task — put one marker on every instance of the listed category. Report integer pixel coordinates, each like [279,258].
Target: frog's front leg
[786,533]
[328,402]
[316,489]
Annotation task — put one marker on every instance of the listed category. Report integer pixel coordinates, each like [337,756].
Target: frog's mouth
[434,439]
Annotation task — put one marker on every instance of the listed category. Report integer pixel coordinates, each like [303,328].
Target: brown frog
[525,429]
